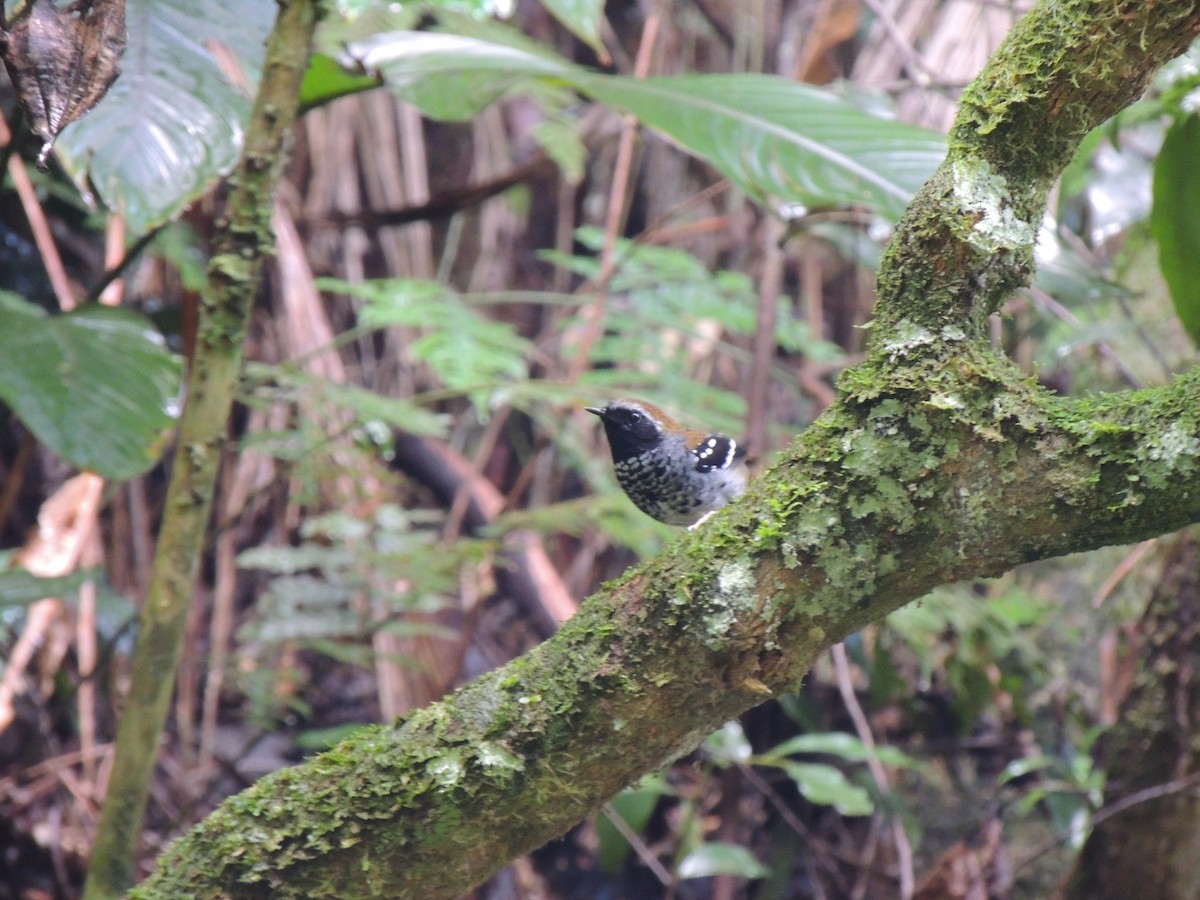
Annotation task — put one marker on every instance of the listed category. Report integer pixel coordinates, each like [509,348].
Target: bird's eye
[635,417]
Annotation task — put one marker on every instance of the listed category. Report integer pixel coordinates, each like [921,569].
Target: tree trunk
[1146,841]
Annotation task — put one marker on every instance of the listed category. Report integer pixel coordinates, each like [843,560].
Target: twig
[1127,565]
[594,317]
[639,846]
[117,270]
[766,328]
[904,854]
[1145,795]
[38,224]
[921,73]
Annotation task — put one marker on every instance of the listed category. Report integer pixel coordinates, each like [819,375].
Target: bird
[677,476]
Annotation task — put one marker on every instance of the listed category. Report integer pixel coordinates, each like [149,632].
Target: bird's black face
[631,429]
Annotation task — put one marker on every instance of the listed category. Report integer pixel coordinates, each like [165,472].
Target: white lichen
[941,400]
[491,755]
[736,594]
[980,190]
[1177,441]
[446,770]
[906,337]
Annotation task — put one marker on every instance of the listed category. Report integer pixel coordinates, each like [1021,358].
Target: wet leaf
[96,386]
[1173,220]
[172,124]
[63,60]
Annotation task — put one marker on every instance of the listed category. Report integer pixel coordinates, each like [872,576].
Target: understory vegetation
[486,223]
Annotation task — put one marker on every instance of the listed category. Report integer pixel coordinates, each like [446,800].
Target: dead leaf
[62,60]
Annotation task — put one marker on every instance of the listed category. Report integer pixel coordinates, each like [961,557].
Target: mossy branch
[243,238]
[967,239]
[939,461]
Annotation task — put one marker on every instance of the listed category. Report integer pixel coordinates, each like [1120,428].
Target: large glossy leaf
[1174,222]
[172,123]
[783,142]
[452,76]
[95,386]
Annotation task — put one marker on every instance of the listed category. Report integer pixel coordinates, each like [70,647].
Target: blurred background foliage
[475,240]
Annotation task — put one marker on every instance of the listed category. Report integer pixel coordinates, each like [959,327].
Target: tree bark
[1146,841]
[939,461]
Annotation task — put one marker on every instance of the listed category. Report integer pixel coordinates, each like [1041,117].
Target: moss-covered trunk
[1146,840]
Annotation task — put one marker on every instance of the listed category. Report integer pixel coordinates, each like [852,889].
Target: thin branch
[645,854]
[38,224]
[904,853]
[617,203]
[118,270]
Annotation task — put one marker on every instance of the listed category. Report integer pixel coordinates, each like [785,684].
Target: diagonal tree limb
[939,461]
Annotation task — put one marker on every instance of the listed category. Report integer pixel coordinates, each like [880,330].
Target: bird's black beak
[595,411]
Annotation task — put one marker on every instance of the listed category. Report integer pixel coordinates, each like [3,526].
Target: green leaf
[826,786]
[370,406]
[351,8]
[719,858]
[782,142]
[836,743]
[467,351]
[345,26]
[96,386]
[1173,220]
[326,80]
[450,76]
[172,123]
[356,9]
[581,18]
[729,744]
[1019,768]
[19,587]
[563,144]
[280,383]
[303,608]
[287,560]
